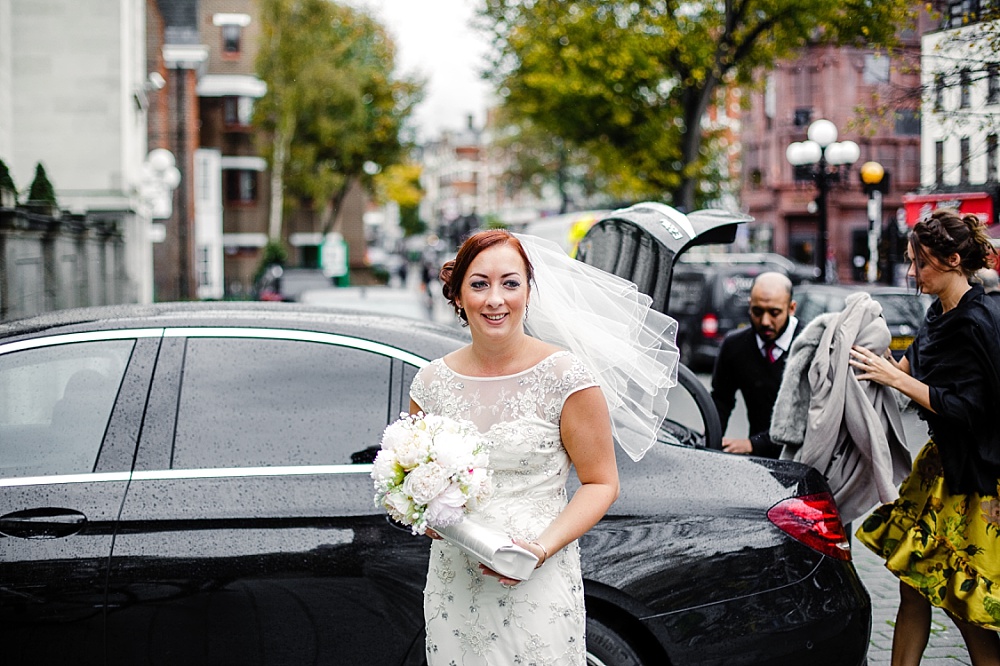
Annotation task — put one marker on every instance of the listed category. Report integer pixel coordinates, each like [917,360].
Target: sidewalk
[945,647]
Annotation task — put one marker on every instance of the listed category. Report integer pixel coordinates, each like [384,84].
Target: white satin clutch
[491,547]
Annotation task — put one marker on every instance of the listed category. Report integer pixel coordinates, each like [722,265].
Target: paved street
[945,647]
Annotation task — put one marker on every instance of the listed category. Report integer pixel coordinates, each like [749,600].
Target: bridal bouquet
[431,471]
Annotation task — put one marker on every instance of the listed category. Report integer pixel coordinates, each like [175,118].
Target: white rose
[400,507]
[386,469]
[454,450]
[413,451]
[426,482]
[480,488]
[395,434]
[448,508]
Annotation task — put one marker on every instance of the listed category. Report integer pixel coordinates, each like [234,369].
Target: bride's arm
[585,427]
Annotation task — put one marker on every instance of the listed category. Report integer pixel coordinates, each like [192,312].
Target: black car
[189,484]
[902,308]
[710,296]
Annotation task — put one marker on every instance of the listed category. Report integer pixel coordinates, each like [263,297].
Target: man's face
[770,309]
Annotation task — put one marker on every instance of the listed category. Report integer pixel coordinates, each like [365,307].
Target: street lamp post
[824,155]
[872,174]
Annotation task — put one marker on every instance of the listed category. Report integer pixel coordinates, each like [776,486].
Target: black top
[957,354]
[742,367]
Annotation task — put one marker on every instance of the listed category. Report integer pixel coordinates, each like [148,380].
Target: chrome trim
[294,334]
[55,479]
[180,474]
[70,338]
[243,472]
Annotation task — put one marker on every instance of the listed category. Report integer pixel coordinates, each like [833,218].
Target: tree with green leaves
[7,184]
[334,114]
[631,82]
[400,183]
[41,190]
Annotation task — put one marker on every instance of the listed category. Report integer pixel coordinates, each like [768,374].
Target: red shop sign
[919,206]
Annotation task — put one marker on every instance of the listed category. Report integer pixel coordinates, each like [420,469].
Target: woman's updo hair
[453,272]
[946,232]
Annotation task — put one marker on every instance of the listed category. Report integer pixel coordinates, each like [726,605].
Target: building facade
[74,96]
[961,115]
[849,87]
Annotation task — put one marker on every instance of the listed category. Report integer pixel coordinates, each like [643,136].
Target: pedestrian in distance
[542,408]
[751,361]
[941,538]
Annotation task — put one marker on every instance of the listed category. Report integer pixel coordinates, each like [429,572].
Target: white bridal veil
[608,324]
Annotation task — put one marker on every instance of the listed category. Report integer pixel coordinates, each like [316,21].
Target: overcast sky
[434,39]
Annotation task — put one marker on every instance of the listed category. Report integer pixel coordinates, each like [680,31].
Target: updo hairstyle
[945,233]
[453,272]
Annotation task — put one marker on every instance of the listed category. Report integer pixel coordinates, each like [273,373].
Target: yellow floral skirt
[945,546]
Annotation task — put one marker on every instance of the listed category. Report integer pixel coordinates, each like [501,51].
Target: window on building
[231,30]
[992,158]
[908,122]
[938,92]
[231,34]
[965,95]
[876,69]
[237,110]
[241,186]
[963,156]
[803,87]
[203,265]
[993,84]
[938,162]
[803,115]
[960,12]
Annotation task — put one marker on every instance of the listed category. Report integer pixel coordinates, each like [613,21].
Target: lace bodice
[519,415]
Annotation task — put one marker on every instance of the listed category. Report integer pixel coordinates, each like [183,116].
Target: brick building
[846,86]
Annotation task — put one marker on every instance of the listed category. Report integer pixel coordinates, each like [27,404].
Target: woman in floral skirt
[941,538]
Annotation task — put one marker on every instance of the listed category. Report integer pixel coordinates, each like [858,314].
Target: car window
[55,404]
[686,293]
[808,306]
[901,309]
[248,402]
[734,298]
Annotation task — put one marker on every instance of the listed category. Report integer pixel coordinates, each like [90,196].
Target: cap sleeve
[574,374]
[418,387]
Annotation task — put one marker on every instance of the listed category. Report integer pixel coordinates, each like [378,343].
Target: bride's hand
[431,533]
[503,580]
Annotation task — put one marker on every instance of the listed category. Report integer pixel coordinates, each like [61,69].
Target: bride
[542,410]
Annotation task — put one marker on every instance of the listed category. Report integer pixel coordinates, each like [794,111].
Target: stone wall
[54,262]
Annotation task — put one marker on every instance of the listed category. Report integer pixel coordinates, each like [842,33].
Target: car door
[70,410]
[249,534]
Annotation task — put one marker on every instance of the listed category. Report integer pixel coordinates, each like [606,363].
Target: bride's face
[494,292]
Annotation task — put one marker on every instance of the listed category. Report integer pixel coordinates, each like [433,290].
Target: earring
[461,317]
[525,312]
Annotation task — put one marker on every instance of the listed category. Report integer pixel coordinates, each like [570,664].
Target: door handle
[43,523]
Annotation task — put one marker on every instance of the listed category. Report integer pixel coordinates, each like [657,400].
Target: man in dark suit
[751,361]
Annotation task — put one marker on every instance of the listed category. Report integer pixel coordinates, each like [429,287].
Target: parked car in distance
[190,484]
[710,295]
[286,284]
[902,308]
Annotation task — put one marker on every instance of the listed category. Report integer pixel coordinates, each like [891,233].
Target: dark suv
[709,296]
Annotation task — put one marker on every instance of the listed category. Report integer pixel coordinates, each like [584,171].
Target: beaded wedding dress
[471,619]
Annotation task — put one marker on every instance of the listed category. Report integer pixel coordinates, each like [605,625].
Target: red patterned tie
[769,352]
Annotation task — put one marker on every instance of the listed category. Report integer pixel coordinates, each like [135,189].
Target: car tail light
[710,325]
[814,521]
